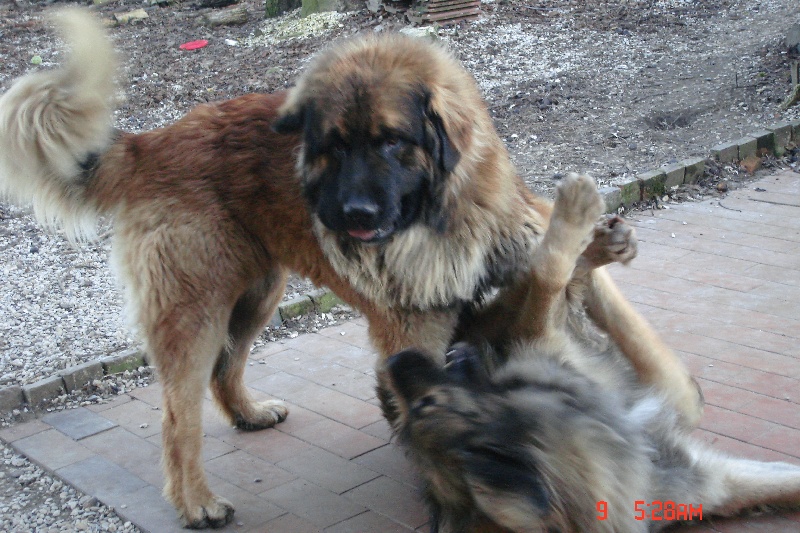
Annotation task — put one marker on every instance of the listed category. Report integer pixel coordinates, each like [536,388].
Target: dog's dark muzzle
[413,374]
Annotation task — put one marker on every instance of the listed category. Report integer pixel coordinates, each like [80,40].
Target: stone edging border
[33,397]
[772,139]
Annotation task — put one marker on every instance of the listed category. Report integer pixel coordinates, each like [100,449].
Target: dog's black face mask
[468,443]
[368,181]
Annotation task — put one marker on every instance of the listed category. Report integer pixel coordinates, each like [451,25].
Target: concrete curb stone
[76,377]
[694,169]
[726,152]
[675,175]
[748,146]
[612,197]
[125,360]
[302,305]
[11,398]
[795,131]
[45,389]
[630,192]
[782,132]
[765,142]
[324,300]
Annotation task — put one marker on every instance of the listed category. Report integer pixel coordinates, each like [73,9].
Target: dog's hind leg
[250,315]
[184,372]
[748,484]
[182,289]
[653,361]
[719,485]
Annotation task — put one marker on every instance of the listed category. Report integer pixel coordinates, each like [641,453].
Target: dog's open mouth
[371,235]
[363,234]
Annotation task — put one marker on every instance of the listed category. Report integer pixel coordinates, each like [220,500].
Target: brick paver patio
[719,280]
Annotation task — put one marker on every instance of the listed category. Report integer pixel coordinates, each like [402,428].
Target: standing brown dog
[406,205]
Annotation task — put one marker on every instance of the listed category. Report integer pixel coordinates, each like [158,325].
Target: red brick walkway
[721,282]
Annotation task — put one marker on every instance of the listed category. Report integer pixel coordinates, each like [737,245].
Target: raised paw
[215,513]
[262,415]
[614,241]
[577,200]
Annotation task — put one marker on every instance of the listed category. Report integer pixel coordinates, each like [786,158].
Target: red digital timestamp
[657,510]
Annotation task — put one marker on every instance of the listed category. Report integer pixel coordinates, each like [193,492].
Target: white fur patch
[420,268]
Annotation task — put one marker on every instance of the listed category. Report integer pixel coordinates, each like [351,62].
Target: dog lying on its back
[561,437]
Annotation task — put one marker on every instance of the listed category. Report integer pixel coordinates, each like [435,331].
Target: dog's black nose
[362,213]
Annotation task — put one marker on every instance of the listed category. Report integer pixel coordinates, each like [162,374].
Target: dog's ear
[295,113]
[507,490]
[438,140]
[290,120]
[447,156]
[436,136]
[301,118]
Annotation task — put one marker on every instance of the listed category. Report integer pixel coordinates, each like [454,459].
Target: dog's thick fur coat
[405,204]
[561,437]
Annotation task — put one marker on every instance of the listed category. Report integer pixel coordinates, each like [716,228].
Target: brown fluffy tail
[53,123]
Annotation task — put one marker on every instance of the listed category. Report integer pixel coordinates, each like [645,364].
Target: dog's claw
[266,415]
[614,241]
[215,515]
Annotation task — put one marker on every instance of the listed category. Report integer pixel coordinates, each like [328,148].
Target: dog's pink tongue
[362,234]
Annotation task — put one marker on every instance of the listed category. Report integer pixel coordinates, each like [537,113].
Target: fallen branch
[233,16]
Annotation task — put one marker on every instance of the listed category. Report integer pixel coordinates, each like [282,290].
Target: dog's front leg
[394,330]
[575,212]
[655,364]
[186,486]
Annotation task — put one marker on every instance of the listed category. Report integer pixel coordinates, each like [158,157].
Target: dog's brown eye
[390,143]
[337,146]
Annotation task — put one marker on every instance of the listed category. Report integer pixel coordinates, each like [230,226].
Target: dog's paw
[262,415]
[614,241]
[577,200]
[217,512]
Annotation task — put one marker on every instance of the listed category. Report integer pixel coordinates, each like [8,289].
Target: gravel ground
[607,87]
[614,88]
[31,500]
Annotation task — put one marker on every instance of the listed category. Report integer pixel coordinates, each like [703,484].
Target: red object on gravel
[193,45]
